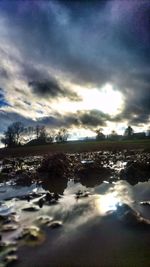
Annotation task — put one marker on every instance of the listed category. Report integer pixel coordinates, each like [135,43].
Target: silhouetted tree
[129,132]
[113,133]
[9,137]
[30,132]
[18,129]
[38,135]
[4,141]
[42,134]
[148,133]
[37,131]
[50,137]
[12,137]
[62,135]
[99,134]
[113,136]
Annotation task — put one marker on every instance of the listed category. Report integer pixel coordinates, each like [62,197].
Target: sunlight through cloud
[106,100]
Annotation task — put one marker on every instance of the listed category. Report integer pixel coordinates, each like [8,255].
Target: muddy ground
[76,147]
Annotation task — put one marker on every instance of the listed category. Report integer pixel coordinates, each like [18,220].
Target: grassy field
[72,147]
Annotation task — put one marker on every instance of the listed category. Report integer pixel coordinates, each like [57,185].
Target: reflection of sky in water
[80,217]
[142,193]
[107,203]
[83,220]
[8,191]
[1,166]
[112,195]
[77,212]
[72,187]
[121,190]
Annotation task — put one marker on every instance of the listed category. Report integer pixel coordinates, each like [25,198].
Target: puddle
[84,220]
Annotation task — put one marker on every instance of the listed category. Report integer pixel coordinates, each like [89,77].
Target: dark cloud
[93,118]
[44,88]
[44,84]
[86,119]
[137,111]
[52,88]
[6,118]
[3,73]
[58,120]
[77,43]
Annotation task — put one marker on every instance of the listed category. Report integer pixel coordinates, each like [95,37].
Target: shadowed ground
[73,147]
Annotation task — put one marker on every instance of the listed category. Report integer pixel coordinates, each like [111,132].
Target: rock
[11,259]
[30,196]
[41,202]
[7,255]
[81,194]
[56,196]
[54,224]
[145,203]
[9,227]
[48,197]
[7,244]
[12,251]
[45,220]
[30,209]
[31,234]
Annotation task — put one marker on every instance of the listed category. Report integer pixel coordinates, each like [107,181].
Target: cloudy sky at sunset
[75,64]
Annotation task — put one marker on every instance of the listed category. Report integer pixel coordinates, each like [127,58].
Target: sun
[106,100]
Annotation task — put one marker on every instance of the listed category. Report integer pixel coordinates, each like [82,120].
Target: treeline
[128,134]
[17,135]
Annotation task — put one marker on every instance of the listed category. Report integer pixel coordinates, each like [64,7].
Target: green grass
[73,147]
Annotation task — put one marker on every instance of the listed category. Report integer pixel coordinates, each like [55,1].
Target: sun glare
[106,100]
[107,203]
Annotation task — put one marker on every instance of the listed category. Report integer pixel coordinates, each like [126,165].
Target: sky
[76,64]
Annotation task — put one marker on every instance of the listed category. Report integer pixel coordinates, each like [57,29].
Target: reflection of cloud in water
[142,191]
[124,191]
[77,212]
[73,187]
